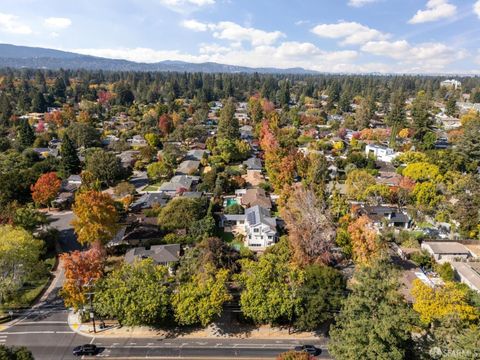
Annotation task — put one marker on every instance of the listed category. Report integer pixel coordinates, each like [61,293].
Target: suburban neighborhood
[200,209]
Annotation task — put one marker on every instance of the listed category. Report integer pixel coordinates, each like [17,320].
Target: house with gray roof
[179,183]
[468,273]
[188,167]
[166,255]
[196,154]
[446,251]
[257,225]
[386,215]
[149,200]
[253,163]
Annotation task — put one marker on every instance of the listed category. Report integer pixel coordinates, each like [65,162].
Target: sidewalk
[210,332]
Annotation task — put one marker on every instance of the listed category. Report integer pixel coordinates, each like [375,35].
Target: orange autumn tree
[46,189]
[82,270]
[365,244]
[96,217]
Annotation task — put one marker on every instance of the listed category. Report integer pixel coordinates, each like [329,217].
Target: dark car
[309,349]
[87,349]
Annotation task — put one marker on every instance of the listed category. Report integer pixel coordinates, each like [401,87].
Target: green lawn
[153,187]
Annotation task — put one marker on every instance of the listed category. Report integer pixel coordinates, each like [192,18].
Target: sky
[344,36]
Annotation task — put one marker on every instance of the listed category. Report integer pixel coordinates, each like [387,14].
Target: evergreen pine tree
[39,103]
[26,136]
[70,163]
[5,109]
[228,127]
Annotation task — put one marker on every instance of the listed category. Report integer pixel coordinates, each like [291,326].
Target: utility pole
[92,312]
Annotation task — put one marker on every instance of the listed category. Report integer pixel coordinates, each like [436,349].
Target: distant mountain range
[39,58]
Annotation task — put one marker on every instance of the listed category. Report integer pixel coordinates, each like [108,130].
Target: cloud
[57,23]
[352,33]
[360,3]
[285,55]
[11,24]
[186,6]
[436,10]
[425,56]
[476,8]
[194,25]
[227,30]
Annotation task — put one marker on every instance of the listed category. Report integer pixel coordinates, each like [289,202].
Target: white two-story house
[257,225]
[381,153]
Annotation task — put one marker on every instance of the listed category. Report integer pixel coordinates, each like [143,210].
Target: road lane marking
[38,332]
[91,341]
[43,323]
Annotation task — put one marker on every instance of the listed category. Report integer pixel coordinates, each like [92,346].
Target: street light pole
[92,313]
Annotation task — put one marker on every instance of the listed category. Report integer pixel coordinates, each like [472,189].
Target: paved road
[45,331]
[62,222]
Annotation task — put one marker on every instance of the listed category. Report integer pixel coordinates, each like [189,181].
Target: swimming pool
[232,202]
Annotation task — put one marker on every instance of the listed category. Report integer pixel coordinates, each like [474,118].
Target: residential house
[55,144]
[149,200]
[260,228]
[447,251]
[253,197]
[188,167]
[468,273]
[137,140]
[66,195]
[128,158]
[389,216]
[253,163]
[166,255]
[381,153]
[257,225]
[46,152]
[179,184]
[196,155]
[246,132]
[452,84]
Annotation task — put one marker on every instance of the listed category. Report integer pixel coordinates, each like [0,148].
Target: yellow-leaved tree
[441,301]
[96,217]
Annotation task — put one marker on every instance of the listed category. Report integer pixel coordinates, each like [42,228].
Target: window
[256,230]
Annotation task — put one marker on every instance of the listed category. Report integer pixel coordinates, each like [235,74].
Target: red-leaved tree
[46,189]
[82,270]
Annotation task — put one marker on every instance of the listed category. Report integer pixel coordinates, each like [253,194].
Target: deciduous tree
[105,166]
[46,189]
[270,288]
[200,300]
[322,293]
[96,217]
[136,294]
[310,227]
[439,302]
[365,243]
[19,257]
[82,270]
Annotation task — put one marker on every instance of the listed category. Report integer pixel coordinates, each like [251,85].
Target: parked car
[309,349]
[87,349]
